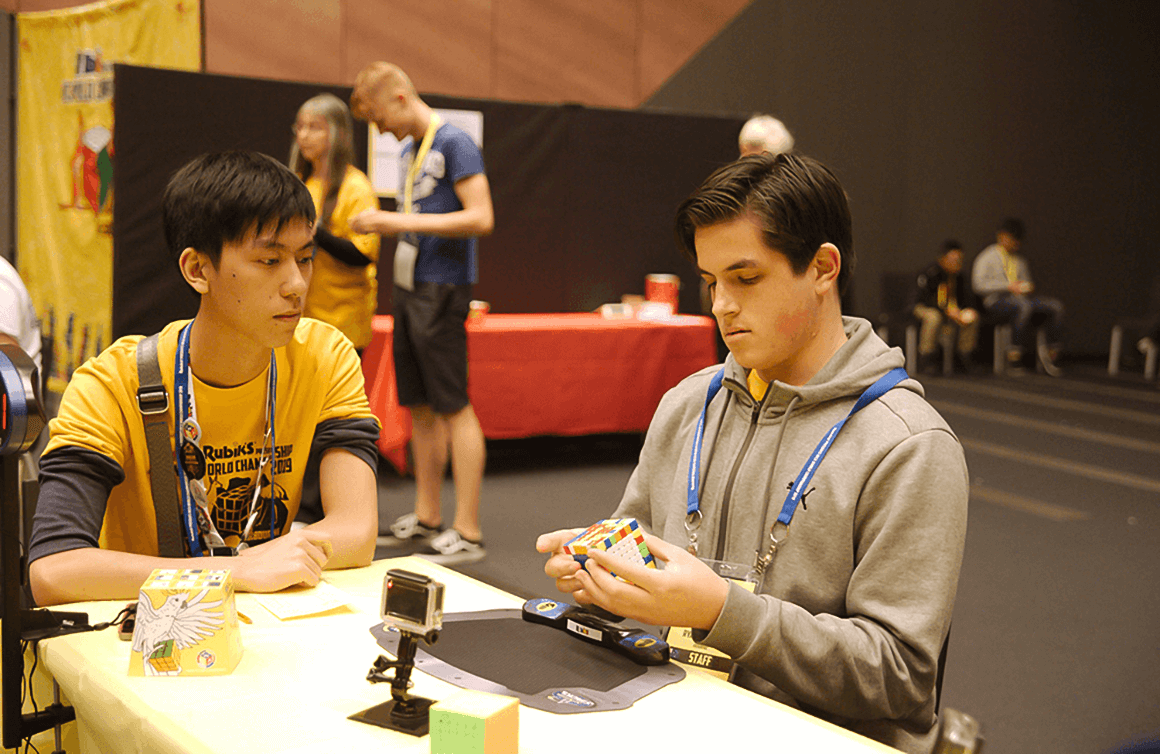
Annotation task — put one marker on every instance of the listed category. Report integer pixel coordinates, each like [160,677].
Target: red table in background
[552,374]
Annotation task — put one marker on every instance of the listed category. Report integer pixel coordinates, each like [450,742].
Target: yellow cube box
[475,722]
[187,624]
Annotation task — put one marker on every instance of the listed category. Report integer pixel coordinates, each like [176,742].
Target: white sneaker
[1047,362]
[407,528]
[451,548]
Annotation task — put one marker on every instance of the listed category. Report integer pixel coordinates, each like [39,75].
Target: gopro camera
[413,603]
[22,414]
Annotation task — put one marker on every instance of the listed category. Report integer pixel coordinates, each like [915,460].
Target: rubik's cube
[621,537]
[166,659]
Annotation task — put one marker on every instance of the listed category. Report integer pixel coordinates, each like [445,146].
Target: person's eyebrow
[274,243]
[740,264]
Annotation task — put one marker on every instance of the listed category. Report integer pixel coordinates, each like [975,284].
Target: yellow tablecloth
[298,680]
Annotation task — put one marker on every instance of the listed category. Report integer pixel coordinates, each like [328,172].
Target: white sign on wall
[383,162]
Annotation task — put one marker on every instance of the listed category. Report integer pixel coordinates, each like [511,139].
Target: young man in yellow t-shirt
[250,383]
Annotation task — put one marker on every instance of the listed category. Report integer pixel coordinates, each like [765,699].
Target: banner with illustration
[66,155]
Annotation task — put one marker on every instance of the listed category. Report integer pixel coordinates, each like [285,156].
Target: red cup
[663,288]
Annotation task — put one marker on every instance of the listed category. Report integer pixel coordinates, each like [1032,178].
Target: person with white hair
[764,133]
[18,322]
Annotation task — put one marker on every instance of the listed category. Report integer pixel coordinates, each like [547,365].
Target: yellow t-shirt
[757,386]
[345,296]
[319,378]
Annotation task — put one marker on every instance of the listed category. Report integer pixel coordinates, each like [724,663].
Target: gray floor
[1054,646]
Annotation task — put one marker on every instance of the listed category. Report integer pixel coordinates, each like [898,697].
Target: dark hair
[1013,227]
[797,200]
[950,245]
[217,198]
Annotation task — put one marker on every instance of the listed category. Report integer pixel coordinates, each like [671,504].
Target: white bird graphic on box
[181,620]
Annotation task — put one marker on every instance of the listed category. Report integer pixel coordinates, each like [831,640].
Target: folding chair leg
[948,352]
[911,349]
[1002,343]
[1116,350]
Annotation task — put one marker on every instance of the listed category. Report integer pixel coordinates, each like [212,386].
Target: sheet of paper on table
[300,601]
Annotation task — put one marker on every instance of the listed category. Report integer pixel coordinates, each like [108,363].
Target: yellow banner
[65,155]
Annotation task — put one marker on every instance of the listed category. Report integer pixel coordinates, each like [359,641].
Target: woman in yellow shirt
[344,291]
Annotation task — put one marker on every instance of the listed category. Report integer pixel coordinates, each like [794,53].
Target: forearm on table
[868,672]
[90,573]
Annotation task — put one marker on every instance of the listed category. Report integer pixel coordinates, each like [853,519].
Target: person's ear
[826,266]
[193,268]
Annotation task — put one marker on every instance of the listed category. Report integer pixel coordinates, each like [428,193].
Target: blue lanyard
[884,384]
[183,409]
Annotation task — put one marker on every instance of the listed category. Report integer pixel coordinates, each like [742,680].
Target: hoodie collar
[856,366]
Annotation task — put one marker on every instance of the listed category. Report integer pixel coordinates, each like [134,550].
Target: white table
[298,681]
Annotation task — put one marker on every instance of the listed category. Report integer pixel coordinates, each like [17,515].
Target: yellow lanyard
[946,294]
[1008,264]
[416,165]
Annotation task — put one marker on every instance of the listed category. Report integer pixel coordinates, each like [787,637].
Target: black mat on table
[548,669]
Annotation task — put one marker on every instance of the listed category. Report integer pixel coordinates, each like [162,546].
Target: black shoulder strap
[153,401]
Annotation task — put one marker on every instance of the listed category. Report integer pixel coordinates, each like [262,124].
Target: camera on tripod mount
[413,603]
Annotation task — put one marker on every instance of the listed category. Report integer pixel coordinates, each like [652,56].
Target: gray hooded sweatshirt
[853,611]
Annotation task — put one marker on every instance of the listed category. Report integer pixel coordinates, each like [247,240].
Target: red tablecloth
[552,374]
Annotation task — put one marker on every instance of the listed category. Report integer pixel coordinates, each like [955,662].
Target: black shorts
[430,346]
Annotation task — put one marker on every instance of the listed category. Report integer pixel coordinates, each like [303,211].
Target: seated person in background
[764,133]
[943,306]
[853,601]
[250,383]
[1002,279]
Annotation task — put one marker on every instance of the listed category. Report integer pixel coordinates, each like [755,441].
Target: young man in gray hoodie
[852,532]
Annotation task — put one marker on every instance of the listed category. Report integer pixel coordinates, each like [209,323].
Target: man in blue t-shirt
[443,205]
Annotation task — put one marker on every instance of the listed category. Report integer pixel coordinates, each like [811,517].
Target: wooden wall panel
[567,50]
[672,31]
[445,46]
[612,53]
[300,41]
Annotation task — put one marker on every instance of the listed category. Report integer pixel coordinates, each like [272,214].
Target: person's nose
[723,303]
[296,282]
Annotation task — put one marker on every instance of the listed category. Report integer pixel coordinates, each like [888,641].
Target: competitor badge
[191,431]
[192,459]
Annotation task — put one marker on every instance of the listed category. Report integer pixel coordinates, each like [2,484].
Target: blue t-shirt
[453,156]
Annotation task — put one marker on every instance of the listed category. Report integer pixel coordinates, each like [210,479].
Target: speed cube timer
[621,537]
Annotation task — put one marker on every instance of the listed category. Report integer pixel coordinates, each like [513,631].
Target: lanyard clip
[778,534]
[692,525]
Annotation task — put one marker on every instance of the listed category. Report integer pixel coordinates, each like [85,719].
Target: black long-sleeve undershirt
[340,248]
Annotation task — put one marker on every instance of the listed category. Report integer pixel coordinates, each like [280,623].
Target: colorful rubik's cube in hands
[621,537]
